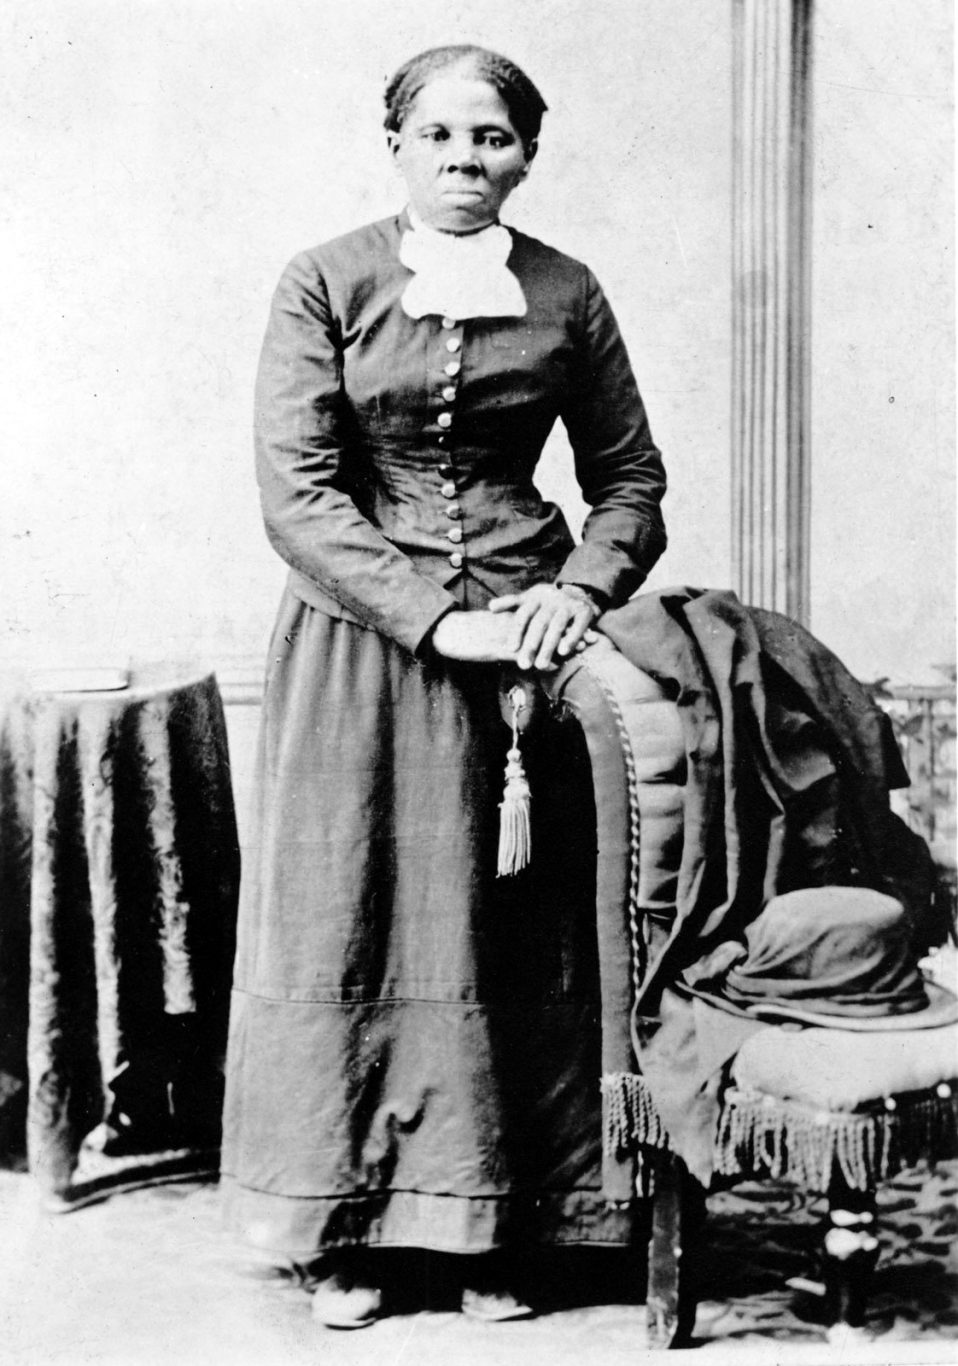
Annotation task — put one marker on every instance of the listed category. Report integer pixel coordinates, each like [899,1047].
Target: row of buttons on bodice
[451,368]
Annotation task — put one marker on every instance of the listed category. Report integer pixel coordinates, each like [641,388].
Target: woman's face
[459,153]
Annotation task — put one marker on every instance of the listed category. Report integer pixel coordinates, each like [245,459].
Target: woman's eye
[436,135]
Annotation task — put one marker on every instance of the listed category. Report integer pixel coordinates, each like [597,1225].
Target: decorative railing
[923,719]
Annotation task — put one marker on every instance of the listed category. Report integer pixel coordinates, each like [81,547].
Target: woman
[413,1056]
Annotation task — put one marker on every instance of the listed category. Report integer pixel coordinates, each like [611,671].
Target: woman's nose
[462,155]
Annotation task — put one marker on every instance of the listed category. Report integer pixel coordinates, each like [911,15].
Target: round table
[119,874]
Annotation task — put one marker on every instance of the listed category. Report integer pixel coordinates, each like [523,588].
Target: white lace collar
[459,275]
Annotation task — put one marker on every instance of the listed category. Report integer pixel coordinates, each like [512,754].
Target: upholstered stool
[839,1112]
[834,1110]
[807,1104]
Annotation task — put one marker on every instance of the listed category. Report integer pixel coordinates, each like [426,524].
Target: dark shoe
[346,1299]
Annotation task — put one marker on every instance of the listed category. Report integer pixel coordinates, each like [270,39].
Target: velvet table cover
[119,872]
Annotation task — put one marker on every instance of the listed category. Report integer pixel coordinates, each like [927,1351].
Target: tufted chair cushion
[651,730]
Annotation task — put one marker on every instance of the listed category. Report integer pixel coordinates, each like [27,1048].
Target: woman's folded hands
[534,629]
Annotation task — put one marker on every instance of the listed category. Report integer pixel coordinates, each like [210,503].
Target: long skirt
[414,1046]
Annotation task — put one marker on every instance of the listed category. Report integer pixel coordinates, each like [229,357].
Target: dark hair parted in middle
[526,106]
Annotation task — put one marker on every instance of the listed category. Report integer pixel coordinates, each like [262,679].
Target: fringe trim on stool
[761,1135]
[629,1117]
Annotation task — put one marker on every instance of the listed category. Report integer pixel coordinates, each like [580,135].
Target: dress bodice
[396,455]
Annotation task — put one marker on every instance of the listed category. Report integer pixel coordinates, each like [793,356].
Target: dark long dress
[414,1054]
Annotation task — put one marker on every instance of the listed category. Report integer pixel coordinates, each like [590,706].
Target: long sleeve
[618,466]
[302,434]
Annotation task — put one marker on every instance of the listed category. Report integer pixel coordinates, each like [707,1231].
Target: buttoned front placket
[447,368]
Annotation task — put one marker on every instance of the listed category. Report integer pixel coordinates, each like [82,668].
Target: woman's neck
[420,223]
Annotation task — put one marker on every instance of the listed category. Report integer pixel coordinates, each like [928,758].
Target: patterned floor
[763,1235]
[150,1277]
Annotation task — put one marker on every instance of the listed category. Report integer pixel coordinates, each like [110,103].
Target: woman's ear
[394,144]
[530,151]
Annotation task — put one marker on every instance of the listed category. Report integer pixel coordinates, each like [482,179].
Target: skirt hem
[301,1227]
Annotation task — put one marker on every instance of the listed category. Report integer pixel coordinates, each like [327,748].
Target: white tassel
[515,835]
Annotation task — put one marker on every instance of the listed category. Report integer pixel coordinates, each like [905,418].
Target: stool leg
[850,1255]
[678,1214]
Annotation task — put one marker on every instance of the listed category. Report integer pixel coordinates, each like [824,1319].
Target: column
[771,484]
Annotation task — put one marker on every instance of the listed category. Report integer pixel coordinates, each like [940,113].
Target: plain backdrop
[162,160]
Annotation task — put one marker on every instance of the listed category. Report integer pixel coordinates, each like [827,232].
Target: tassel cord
[515,826]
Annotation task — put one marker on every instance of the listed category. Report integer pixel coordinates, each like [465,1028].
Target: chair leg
[678,1214]
[850,1256]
